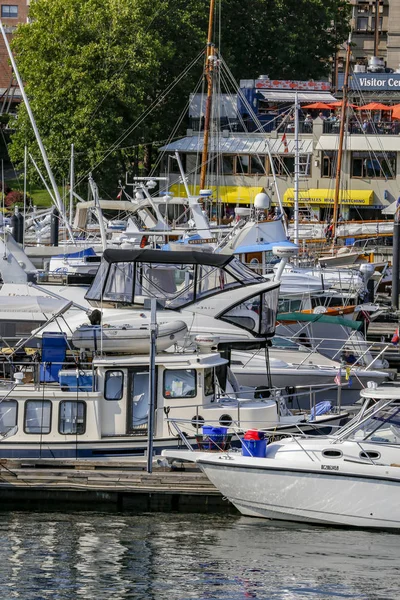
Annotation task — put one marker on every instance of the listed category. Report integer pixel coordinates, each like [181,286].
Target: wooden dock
[103,485]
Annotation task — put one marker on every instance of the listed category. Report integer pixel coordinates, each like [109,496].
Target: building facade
[11,15]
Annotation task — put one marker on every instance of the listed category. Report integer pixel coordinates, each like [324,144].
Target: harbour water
[171,556]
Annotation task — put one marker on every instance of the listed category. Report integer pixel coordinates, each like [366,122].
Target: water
[177,557]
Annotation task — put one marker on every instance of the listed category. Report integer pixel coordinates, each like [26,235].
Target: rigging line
[142,117]
[174,131]
[123,66]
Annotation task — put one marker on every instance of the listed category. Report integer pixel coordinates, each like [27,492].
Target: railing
[362,128]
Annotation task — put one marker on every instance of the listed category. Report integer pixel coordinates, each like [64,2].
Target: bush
[14,197]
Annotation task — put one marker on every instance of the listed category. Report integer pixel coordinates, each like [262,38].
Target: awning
[360,143]
[229,194]
[320,318]
[245,143]
[290,96]
[326,196]
[391,209]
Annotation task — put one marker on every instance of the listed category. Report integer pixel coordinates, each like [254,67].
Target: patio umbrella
[339,103]
[374,106]
[396,111]
[318,106]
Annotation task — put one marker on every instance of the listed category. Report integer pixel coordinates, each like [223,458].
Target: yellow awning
[229,194]
[325,196]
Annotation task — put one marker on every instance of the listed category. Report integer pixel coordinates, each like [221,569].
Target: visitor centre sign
[375,81]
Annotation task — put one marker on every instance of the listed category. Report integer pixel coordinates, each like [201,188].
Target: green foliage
[91,67]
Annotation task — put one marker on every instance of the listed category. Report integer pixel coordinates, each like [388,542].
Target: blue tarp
[80,254]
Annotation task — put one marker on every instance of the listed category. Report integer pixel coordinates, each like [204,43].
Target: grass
[40,196]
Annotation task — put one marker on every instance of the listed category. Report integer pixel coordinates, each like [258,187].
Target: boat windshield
[256,314]
[382,426]
[178,285]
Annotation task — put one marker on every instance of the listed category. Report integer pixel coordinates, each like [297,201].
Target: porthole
[370,454]
[197,421]
[225,420]
[332,453]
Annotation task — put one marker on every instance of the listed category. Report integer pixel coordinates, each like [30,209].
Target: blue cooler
[214,435]
[256,448]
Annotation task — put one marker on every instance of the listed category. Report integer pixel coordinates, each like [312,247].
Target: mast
[376,32]
[58,201]
[296,170]
[209,71]
[341,138]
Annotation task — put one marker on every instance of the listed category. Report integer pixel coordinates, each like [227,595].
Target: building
[241,163]
[11,16]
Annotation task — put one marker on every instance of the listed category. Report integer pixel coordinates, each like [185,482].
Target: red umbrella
[374,106]
[396,111]
[319,106]
[339,103]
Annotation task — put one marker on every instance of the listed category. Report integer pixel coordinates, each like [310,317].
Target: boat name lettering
[329,468]
[203,241]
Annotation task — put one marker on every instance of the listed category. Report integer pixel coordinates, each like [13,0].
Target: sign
[203,241]
[375,82]
[352,201]
[286,84]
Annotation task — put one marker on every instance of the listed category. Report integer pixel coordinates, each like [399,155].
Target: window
[209,382]
[284,165]
[256,314]
[114,385]
[9,11]
[138,408]
[328,163]
[8,415]
[380,165]
[227,165]
[257,165]
[373,23]
[119,283]
[37,416]
[180,383]
[243,165]
[72,418]
[362,23]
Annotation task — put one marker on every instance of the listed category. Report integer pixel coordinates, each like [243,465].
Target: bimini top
[189,257]
[127,277]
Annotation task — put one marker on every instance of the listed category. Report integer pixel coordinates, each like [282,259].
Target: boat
[55,405]
[351,478]
[133,338]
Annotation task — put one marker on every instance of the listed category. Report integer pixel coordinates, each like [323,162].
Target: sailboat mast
[341,138]
[209,70]
[296,169]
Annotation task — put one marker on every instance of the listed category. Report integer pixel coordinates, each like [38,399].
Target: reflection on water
[181,557]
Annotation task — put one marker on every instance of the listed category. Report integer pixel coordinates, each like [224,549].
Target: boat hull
[309,495]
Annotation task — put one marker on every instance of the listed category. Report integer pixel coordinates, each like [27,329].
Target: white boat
[133,337]
[351,478]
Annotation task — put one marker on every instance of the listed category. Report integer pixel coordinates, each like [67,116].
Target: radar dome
[262,201]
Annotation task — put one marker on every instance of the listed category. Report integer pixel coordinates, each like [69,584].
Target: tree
[92,67]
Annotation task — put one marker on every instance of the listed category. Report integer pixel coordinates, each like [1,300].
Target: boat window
[72,417]
[119,283]
[8,415]
[209,382]
[114,385]
[243,273]
[212,279]
[139,403]
[37,416]
[332,453]
[280,342]
[370,454]
[96,289]
[180,383]
[382,426]
[256,314]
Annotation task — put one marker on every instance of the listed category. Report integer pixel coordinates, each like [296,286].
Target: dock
[112,484]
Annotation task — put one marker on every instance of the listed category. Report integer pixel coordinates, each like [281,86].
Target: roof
[378,143]
[290,96]
[191,257]
[239,144]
